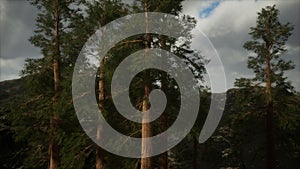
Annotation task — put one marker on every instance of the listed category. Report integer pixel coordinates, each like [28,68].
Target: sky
[225,23]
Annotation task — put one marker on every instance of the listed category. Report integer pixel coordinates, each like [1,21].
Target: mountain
[10,90]
[238,142]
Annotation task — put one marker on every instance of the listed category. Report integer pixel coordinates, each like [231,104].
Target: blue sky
[204,13]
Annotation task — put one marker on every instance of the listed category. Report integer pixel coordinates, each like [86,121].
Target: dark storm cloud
[290,12]
[17,25]
[227,27]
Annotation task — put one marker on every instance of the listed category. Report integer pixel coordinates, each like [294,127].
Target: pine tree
[44,83]
[61,34]
[269,38]
[184,51]
[95,15]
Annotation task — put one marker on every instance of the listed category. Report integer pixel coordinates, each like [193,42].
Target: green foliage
[30,120]
[233,145]
[249,106]
[269,36]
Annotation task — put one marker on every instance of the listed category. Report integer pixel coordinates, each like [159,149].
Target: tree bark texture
[55,119]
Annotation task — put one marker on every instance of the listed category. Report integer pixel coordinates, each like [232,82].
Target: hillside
[236,142]
[10,90]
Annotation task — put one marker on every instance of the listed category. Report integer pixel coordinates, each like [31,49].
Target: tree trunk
[195,154]
[53,147]
[146,162]
[99,150]
[54,155]
[101,97]
[270,138]
[55,119]
[202,154]
[99,155]
[270,123]
[163,159]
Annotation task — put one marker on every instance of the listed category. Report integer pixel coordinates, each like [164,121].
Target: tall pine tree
[269,39]
[44,83]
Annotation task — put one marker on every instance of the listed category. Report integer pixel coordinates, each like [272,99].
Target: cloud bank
[227,26]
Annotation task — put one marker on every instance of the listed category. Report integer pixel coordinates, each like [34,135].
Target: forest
[39,127]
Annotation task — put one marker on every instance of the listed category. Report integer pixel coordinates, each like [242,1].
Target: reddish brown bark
[99,150]
[146,162]
[53,147]
[99,156]
[269,107]
[270,124]
[163,160]
[55,119]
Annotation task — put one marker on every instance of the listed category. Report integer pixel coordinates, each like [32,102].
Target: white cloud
[10,68]
[228,25]
[16,26]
